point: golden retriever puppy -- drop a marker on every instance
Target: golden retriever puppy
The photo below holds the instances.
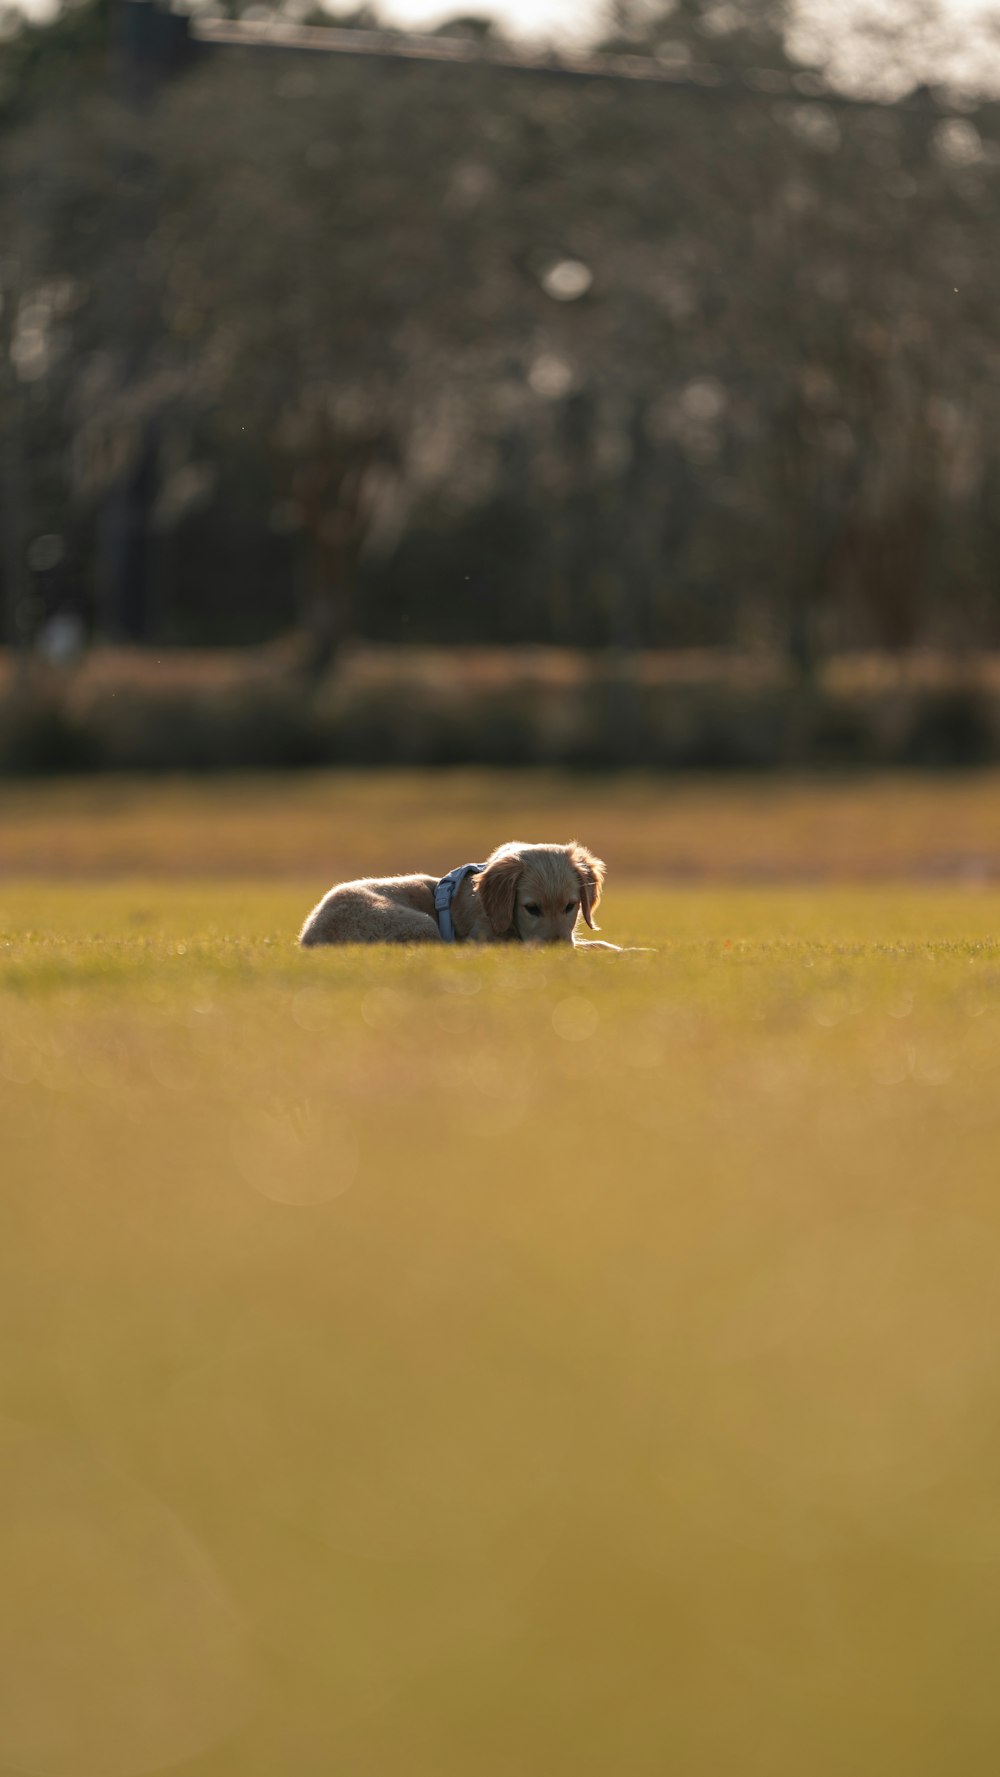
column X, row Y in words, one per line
column 534, row 894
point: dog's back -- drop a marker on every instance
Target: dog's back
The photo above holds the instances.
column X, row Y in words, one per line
column 375, row 910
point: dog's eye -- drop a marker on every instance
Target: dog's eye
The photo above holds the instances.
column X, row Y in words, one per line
column 569, row 906
column 532, row 909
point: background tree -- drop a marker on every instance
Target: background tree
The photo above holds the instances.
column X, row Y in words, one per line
column 405, row 351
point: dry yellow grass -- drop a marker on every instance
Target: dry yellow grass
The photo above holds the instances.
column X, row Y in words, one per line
column 321, row 826
column 452, row 1364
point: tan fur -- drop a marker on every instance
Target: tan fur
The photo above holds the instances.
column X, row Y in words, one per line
column 531, row 893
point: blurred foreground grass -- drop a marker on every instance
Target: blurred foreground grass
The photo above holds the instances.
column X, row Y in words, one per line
column 460, row 1364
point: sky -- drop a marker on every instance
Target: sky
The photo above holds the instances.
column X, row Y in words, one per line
column 545, row 20
column 943, row 42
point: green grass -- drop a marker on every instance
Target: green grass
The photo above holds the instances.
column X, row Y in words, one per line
column 469, row 1363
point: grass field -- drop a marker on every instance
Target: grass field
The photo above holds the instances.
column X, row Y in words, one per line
column 491, row 1364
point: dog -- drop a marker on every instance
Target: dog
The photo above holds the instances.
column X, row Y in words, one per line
column 532, row 894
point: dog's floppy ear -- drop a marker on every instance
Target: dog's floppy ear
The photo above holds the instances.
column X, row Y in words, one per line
column 590, row 872
column 497, row 888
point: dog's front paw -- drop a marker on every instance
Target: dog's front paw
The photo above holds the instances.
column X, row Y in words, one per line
column 620, row 949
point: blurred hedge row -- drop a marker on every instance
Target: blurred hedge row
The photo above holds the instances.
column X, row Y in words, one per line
column 602, row 716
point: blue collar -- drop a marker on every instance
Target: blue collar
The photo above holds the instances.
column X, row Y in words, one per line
column 445, row 893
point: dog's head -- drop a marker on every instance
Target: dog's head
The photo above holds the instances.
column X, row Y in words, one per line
column 537, row 892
